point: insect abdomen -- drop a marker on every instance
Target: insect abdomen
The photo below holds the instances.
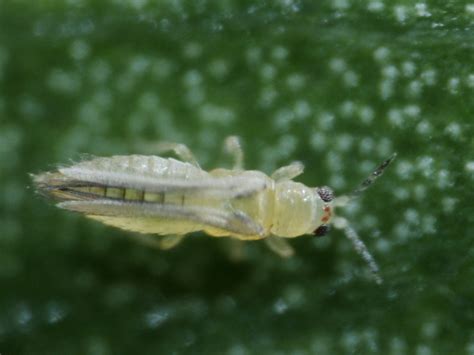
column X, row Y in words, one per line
column 163, row 196
column 83, row 180
column 86, row 191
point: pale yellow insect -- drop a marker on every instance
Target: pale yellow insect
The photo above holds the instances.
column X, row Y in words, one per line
column 155, row 195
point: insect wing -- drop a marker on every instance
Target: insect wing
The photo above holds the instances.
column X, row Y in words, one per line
column 236, row 222
column 218, row 187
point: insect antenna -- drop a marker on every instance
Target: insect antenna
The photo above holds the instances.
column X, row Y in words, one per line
column 372, row 177
column 359, row 246
column 345, row 199
column 351, row 234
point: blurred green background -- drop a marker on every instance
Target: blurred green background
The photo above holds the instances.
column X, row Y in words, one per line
column 339, row 85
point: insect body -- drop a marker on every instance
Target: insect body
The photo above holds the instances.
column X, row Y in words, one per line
column 155, row 195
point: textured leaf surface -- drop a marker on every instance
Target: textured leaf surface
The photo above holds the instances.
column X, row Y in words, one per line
column 339, row 85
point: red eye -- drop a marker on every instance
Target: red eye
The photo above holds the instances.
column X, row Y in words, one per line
column 322, row 230
column 325, row 193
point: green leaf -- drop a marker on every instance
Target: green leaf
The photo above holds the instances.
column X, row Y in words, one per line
column 338, row 85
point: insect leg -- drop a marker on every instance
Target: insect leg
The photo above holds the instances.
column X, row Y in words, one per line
column 181, row 150
column 233, row 147
column 279, row 246
column 170, row 241
column 236, row 250
column 147, row 240
column 158, row 242
column 288, row 172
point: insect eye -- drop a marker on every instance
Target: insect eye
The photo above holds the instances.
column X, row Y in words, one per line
column 322, row 230
column 325, row 193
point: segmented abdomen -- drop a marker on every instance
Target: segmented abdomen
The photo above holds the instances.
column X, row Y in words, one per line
column 109, row 178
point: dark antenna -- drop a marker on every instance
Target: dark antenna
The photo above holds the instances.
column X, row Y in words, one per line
column 372, row 177
column 351, row 234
